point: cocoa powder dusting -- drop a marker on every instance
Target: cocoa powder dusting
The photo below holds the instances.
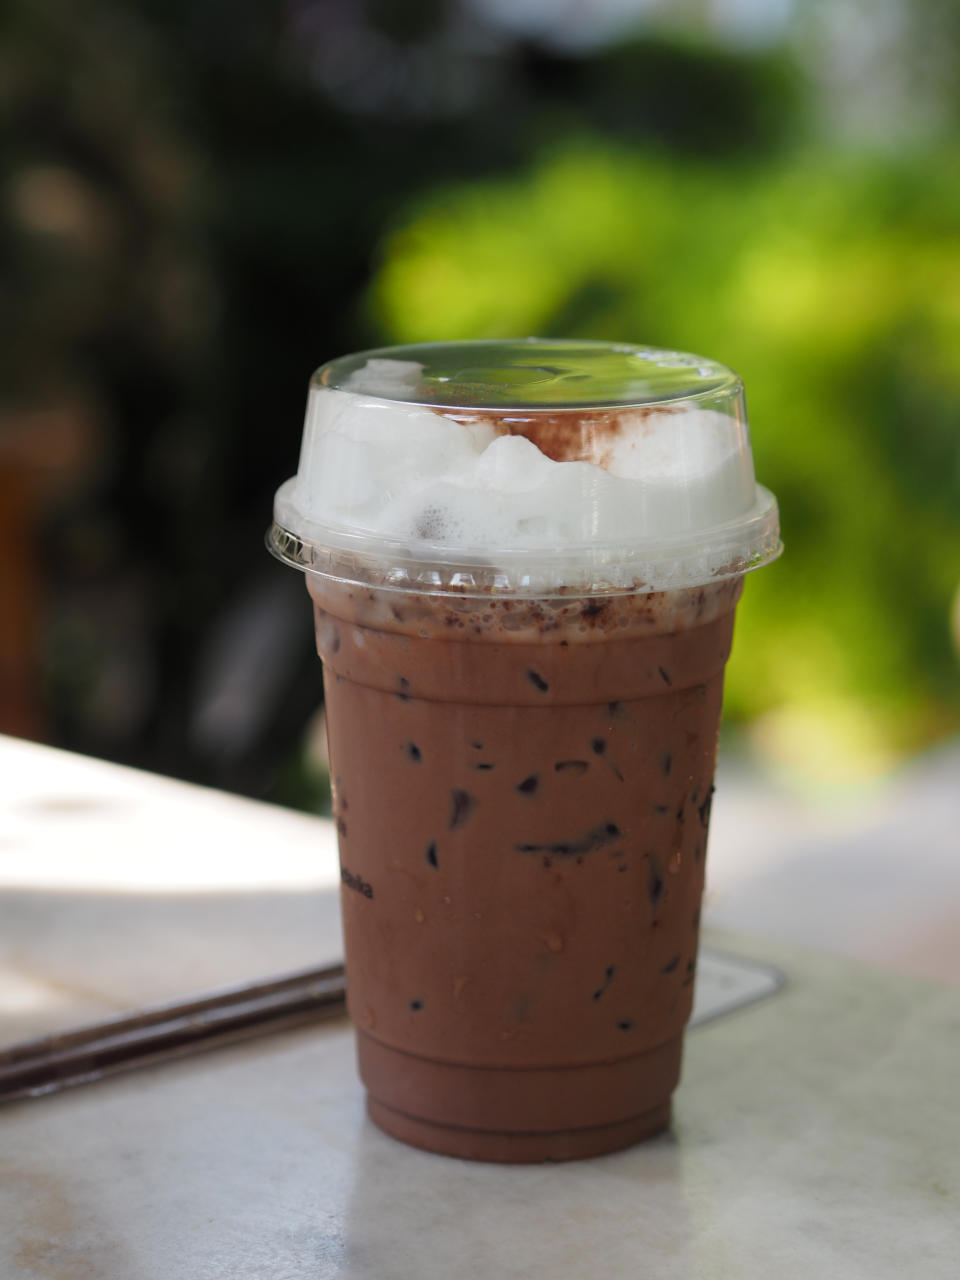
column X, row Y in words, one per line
column 567, row 435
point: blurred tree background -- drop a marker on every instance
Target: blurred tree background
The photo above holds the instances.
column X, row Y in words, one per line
column 202, row 201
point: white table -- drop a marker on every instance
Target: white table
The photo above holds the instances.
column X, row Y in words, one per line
column 817, row 1133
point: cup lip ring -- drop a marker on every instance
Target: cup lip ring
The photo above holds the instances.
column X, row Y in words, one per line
column 738, row 546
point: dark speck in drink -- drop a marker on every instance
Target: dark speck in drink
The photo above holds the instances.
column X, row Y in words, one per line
column 462, row 805
column 575, row 767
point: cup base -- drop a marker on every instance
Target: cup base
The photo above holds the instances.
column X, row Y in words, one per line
column 518, row 1148
column 519, row 1115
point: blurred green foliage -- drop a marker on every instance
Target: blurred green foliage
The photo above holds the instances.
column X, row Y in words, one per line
column 832, row 284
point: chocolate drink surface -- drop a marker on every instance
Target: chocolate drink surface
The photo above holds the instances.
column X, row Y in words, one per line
column 524, row 559
column 522, row 795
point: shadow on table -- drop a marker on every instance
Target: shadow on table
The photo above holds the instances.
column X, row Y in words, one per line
column 459, row 1218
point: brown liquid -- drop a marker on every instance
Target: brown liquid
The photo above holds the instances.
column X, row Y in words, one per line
column 522, row 791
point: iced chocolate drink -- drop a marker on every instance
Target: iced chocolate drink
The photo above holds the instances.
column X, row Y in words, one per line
column 524, row 560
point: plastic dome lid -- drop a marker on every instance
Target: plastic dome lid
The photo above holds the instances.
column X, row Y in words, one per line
column 532, row 466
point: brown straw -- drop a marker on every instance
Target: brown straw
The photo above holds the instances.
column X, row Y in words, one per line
column 38, row 1067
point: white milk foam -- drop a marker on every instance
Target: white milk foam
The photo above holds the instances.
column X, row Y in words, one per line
column 401, row 471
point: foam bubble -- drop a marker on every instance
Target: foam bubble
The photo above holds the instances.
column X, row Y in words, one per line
column 381, row 377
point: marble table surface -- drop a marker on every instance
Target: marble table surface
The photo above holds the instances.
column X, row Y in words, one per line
column 816, row 1133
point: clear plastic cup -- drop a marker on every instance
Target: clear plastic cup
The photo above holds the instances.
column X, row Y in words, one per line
column 524, row 559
